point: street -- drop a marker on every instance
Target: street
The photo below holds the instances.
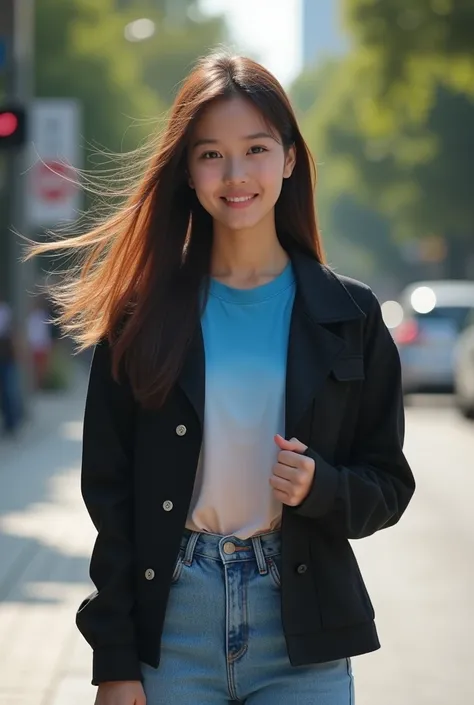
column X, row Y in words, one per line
column 420, row 574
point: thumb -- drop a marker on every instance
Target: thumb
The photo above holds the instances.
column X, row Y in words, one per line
column 293, row 444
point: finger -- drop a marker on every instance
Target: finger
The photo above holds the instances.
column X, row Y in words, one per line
column 293, row 444
column 285, row 498
column 290, row 458
column 297, row 461
column 281, row 484
column 281, row 497
column 286, row 472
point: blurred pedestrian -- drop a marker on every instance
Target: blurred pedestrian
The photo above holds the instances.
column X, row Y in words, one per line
column 10, row 397
column 40, row 340
column 244, row 418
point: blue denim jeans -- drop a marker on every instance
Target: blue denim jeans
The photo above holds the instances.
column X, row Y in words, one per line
column 223, row 640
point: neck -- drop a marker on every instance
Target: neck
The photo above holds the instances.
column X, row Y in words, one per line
column 247, row 258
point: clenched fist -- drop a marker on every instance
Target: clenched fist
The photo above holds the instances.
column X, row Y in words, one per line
column 293, row 472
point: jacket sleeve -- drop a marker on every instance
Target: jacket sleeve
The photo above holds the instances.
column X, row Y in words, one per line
column 105, row 617
column 373, row 490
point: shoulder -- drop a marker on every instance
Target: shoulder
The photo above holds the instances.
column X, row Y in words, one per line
column 360, row 292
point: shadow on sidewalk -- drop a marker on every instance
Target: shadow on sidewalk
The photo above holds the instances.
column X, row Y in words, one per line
column 46, row 535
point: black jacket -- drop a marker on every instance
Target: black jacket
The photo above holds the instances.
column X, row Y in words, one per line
column 343, row 400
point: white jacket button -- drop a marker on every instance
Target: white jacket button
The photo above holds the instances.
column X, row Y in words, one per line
column 149, row 574
column 167, row 505
column 181, row 429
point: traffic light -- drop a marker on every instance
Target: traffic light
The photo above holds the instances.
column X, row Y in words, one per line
column 12, row 126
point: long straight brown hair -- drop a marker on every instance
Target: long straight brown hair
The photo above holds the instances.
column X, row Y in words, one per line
column 142, row 269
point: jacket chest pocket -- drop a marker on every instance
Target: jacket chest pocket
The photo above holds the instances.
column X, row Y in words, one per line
column 335, row 409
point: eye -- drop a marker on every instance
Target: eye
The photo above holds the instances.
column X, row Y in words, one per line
column 210, row 155
column 259, row 150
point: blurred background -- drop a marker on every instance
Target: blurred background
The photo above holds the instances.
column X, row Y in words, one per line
column 384, row 92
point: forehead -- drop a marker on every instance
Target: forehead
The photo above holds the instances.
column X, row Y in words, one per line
column 230, row 117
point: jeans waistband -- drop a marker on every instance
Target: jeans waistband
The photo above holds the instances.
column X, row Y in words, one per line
column 228, row 549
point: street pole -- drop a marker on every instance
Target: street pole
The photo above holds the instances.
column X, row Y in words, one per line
column 19, row 89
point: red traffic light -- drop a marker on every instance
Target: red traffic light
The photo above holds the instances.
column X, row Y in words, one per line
column 8, row 124
column 12, row 126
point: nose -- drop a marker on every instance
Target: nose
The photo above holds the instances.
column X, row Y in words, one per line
column 235, row 171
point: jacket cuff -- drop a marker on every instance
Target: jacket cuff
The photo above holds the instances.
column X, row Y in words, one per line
column 320, row 499
column 115, row 664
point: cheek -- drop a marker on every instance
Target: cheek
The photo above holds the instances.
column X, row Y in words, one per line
column 206, row 179
column 270, row 174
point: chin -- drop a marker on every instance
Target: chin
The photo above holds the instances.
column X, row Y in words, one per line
column 240, row 221
column 240, row 226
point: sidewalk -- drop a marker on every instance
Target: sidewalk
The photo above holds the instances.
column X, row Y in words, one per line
column 45, row 544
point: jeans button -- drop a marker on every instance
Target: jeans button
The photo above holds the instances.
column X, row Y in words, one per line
column 229, row 548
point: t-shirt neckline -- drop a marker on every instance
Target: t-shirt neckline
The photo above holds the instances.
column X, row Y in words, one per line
column 256, row 294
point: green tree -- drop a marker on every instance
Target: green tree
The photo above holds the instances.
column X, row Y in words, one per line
column 431, row 39
column 183, row 33
column 123, row 86
column 81, row 53
column 396, row 127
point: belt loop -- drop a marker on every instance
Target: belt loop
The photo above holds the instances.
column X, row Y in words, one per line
column 259, row 555
column 190, row 546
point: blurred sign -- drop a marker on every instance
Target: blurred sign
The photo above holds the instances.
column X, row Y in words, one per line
column 54, row 193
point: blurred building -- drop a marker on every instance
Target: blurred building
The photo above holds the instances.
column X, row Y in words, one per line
column 322, row 33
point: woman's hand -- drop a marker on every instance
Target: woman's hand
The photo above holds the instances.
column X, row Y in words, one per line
column 120, row 693
column 293, row 473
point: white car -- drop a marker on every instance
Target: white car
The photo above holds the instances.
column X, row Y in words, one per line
column 433, row 315
column 464, row 370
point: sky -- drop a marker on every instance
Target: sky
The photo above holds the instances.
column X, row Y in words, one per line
column 271, row 27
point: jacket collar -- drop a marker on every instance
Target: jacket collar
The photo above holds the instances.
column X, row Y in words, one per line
column 323, row 295
column 321, row 298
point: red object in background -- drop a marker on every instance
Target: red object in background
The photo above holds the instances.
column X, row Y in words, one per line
column 407, row 333
column 8, row 124
column 54, row 181
column 12, row 126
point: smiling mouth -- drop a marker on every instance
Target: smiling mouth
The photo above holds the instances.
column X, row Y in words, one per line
column 240, row 201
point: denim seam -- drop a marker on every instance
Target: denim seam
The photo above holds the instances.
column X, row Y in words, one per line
column 351, row 679
column 273, row 570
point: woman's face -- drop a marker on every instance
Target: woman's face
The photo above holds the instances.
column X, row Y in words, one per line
column 237, row 164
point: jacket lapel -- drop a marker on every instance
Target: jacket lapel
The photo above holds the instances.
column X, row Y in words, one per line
column 192, row 378
column 312, row 350
column 320, row 299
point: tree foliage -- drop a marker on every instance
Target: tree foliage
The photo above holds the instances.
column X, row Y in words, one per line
column 429, row 37
column 122, row 86
column 394, row 126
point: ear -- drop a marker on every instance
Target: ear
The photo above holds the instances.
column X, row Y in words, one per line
column 290, row 161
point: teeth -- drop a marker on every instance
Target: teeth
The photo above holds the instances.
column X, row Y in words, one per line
column 239, row 200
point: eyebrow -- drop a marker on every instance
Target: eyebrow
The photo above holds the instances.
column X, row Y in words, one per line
column 255, row 136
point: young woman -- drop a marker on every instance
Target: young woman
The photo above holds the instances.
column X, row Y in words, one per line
column 244, row 418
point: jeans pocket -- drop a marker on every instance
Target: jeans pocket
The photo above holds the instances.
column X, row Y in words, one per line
column 274, row 567
column 178, row 568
